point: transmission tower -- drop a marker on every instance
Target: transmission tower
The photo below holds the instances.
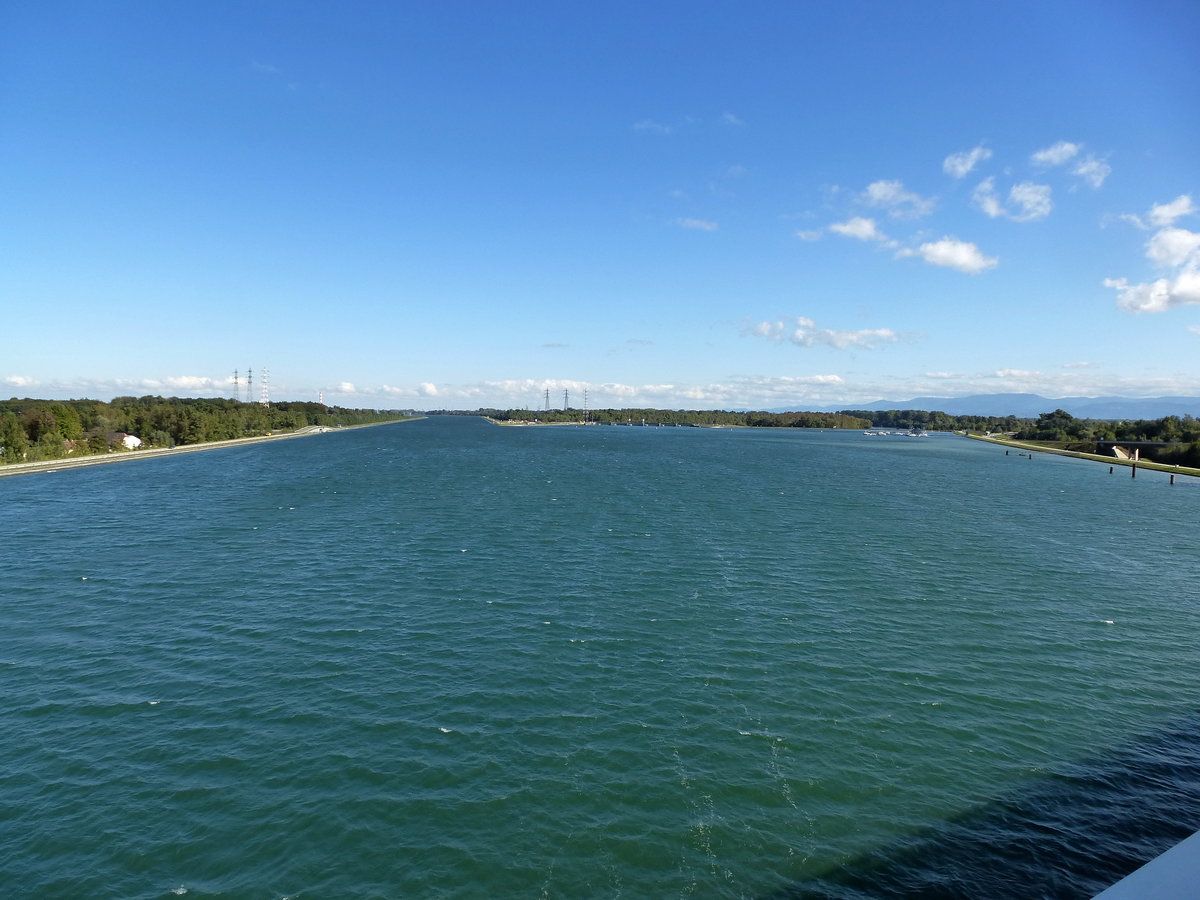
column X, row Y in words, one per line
column 585, row 390
column 547, row 398
column 566, row 399
column 249, row 385
column 237, row 388
column 265, row 399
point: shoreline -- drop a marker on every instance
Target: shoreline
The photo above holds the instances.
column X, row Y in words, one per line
column 47, row 466
column 1093, row 457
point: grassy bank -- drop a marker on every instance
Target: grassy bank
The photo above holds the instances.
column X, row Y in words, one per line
column 98, row 459
column 1058, row 451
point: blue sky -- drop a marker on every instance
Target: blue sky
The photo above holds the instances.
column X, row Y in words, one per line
column 672, row 204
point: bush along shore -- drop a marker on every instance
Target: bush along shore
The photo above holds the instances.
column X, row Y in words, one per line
column 39, row 431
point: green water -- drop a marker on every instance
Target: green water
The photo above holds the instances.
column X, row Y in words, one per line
column 450, row 659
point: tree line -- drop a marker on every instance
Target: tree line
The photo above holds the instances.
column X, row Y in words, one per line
column 34, row 430
column 694, row 417
column 1180, row 434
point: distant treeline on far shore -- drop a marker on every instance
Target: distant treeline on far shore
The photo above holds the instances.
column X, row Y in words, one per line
column 1178, row 436
column 848, row 418
column 35, row 430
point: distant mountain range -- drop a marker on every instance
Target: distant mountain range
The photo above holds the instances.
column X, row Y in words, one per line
column 1030, row 406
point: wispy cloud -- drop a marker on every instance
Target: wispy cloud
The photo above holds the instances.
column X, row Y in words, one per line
column 649, row 126
column 811, row 234
column 697, row 224
column 953, row 254
column 959, row 165
column 1056, row 154
column 1027, row 202
column 862, row 229
column 899, row 203
column 803, row 332
column 19, row 381
column 730, row 119
column 1092, row 170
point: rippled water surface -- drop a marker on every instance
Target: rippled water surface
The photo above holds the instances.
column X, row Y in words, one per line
column 449, row 659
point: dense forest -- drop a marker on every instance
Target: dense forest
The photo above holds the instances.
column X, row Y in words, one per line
column 32, row 430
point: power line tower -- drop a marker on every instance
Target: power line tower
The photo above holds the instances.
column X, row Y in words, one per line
column 547, row 399
column 566, row 399
column 585, row 390
column 265, row 399
column 249, row 385
column 237, row 388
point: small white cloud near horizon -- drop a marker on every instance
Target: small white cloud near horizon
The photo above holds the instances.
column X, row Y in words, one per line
column 953, row 254
column 697, row 224
column 19, row 380
column 803, row 332
column 346, row 387
column 899, row 203
column 958, row 165
column 1056, row 154
column 1027, row 202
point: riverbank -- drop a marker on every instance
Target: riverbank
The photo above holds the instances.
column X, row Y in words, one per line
column 1096, row 457
column 54, row 465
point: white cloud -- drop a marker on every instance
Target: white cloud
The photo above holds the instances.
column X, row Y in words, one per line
column 954, row 254
column 860, row 228
column 899, row 203
column 1157, row 296
column 1174, row 247
column 649, row 126
column 346, row 387
column 1176, row 250
column 1027, row 202
column 1093, row 171
column 1055, row 155
column 1162, row 215
column 730, row 119
column 1194, row 329
column 697, row 224
column 810, row 235
column 1015, row 373
column 803, row 332
column 19, row 380
column 427, row 389
column 1033, row 200
column 960, row 164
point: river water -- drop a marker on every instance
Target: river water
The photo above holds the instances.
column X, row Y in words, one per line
column 449, row 659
